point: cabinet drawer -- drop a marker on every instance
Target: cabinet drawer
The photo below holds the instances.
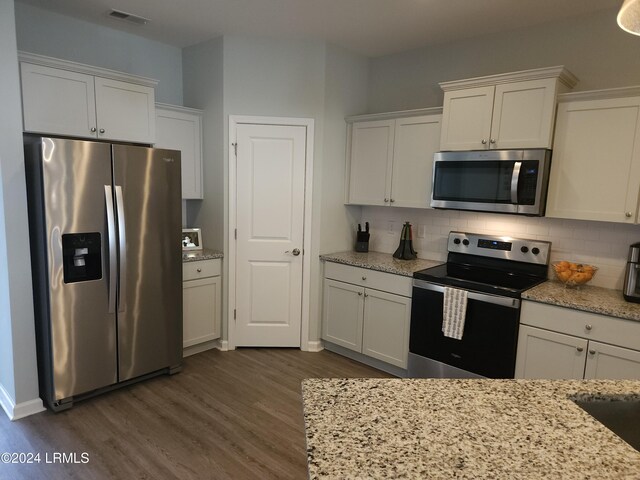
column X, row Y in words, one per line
column 201, row 269
column 387, row 282
column 587, row 325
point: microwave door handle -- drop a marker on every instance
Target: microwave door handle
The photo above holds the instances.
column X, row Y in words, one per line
column 515, row 178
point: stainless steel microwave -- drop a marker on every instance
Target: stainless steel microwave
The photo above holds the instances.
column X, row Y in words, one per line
column 503, row 181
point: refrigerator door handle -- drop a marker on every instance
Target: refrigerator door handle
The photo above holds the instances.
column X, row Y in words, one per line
column 122, row 233
column 111, row 234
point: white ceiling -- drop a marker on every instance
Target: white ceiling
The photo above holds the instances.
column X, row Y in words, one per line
column 370, row 27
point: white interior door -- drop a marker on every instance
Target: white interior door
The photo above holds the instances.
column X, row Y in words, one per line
column 270, row 221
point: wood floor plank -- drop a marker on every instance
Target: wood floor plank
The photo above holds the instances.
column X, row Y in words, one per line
column 226, row 416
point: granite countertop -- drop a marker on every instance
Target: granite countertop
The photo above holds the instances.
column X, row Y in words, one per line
column 588, row 298
column 464, row 429
column 383, row 262
column 197, row 255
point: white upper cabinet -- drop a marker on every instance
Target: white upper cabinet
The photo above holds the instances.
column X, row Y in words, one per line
column 71, row 99
column 512, row 110
column 180, row 128
column 390, row 159
column 595, row 171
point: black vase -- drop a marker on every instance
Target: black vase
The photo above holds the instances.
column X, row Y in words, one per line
column 405, row 250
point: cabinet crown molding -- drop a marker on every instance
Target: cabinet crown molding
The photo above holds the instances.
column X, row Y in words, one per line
column 86, row 69
column 600, row 94
column 391, row 115
column 179, row 109
column 560, row 72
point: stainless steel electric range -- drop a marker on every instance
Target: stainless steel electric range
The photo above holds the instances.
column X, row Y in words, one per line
column 494, row 270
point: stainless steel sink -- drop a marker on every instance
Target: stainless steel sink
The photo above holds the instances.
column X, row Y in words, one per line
column 621, row 417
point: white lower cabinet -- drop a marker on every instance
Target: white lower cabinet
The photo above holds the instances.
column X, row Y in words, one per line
column 202, row 300
column 574, row 348
column 364, row 319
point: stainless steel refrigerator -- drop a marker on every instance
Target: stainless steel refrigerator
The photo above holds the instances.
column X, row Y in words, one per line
column 105, row 225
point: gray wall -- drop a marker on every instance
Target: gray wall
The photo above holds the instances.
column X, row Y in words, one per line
column 593, row 47
column 46, row 33
column 18, row 374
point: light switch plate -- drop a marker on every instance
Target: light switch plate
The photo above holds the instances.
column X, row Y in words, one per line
column 391, row 227
column 422, row 231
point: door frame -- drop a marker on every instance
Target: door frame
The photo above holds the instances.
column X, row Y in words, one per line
column 308, row 123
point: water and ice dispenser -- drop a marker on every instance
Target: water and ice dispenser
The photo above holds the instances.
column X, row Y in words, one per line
column 82, row 257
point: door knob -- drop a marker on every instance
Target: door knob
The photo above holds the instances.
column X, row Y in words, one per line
column 628, row 214
column 295, row 252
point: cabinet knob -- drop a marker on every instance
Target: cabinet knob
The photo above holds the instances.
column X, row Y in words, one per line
column 628, row 214
column 102, row 130
column 588, row 327
column 493, row 140
column 392, row 200
column 199, row 270
column 592, row 352
column 484, row 142
column 364, row 278
column 579, row 349
column 366, row 294
column 93, row 129
column 386, row 200
column 360, row 293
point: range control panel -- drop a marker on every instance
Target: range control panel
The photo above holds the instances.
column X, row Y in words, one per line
column 505, row 247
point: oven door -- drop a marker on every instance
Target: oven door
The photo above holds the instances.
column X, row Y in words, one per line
column 506, row 181
column 488, row 345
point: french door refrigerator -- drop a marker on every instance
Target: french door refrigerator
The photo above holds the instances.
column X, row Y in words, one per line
column 105, row 225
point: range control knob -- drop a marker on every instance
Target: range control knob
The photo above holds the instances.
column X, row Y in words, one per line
column 456, row 241
column 465, row 242
column 535, row 250
column 524, row 249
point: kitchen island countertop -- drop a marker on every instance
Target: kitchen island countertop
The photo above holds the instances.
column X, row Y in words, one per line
column 383, row 262
column 464, row 429
column 588, row 298
column 198, row 255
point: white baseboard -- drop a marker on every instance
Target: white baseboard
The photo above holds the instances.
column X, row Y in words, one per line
column 316, row 346
column 201, row 347
column 224, row 345
column 21, row 410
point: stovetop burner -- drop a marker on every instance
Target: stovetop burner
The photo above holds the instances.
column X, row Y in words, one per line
column 490, row 264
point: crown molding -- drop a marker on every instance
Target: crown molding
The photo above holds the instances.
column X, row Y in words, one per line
column 600, row 94
column 179, row 109
column 560, row 72
column 391, row 115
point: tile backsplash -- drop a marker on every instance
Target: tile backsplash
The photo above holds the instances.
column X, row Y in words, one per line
column 602, row 244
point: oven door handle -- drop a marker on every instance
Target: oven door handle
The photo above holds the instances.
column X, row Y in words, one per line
column 480, row 297
column 515, row 178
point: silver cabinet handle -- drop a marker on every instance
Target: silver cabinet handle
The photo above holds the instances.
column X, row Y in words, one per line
column 592, row 352
column 628, row 214
column 113, row 256
column 588, row 327
column 102, row 130
column 579, row 349
column 366, row 294
column 295, row 252
column 199, row 270
column 392, row 200
column 386, row 200
column 122, row 232
column 360, row 293
column 493, row 140
column 93, row 129
column 364, row 278
column 484, row 142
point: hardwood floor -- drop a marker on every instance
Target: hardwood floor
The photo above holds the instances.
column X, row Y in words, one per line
column 227, row 415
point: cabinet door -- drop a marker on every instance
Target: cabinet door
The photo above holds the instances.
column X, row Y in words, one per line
column 466, row 119
column 386, row 327
column 609, row 362
column 57, row 101
column 523, row 114
column 201, row 310
column 342, row 319
column 370, row 166
column 125, row 111
column 545, row 354
column 183, row 131
column 416, row 140
column 595, row 172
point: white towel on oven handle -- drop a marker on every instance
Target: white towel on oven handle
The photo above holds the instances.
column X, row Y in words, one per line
column 454, row 311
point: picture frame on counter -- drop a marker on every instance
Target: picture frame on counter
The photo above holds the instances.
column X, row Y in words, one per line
column 191, row 239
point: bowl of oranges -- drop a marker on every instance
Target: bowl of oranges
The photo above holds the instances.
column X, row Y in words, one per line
column 574, row 274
